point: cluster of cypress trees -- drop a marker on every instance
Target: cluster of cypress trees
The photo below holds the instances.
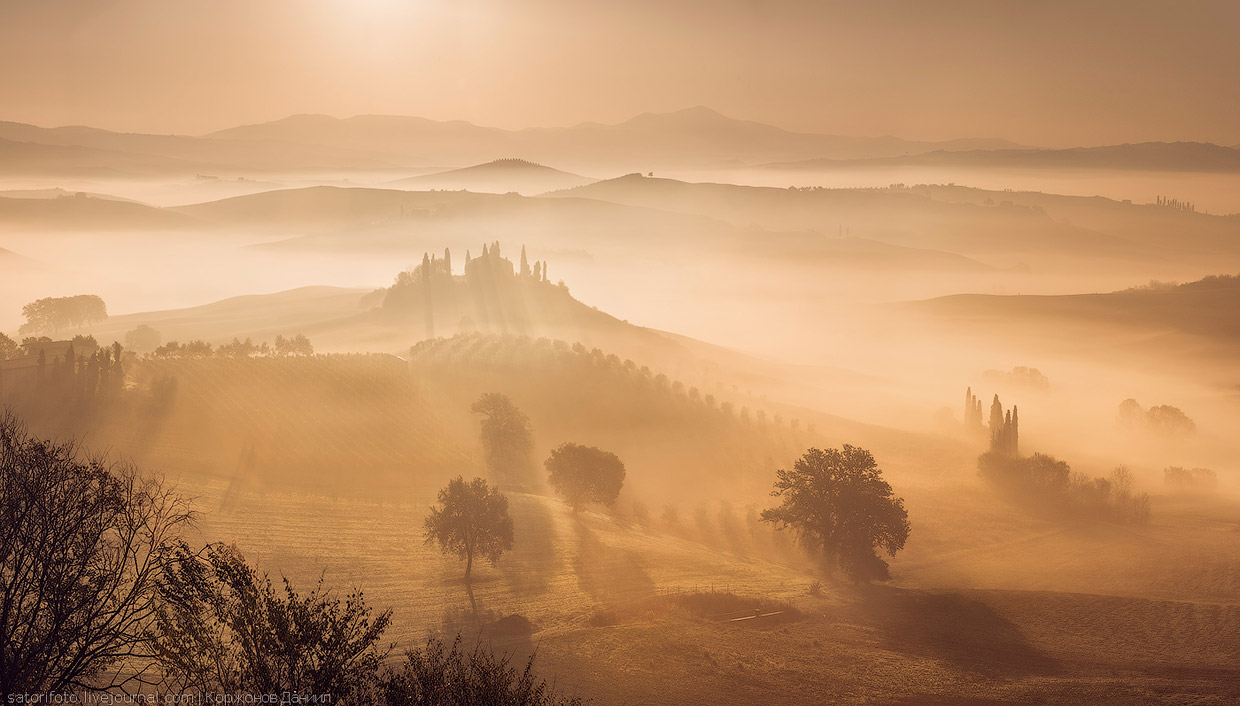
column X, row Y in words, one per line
column 81, row 376
column 1003, row 426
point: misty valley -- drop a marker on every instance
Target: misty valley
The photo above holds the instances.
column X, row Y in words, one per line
column 678, row 408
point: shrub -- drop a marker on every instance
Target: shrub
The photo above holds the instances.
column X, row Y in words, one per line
column 438, row 675
column 1048, row 486
column 1194, row 479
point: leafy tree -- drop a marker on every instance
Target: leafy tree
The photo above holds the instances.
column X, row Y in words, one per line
column 1190, row 478
column 142, row 339
column 1170, row 421
column 1162, row 419
column 1130, row 412
column 473, row 521
column 838, row 504
column 52, row 314
column 8, row 347
column 302, row 345
column 297, row 345
column 84, row 546
column 584, row 474
column 239, row 348
column 507, row 437
column 224, row 628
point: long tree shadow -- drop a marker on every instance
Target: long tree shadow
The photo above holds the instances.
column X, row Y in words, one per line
column 609, row 575
column 966, row 633
column 529, row 568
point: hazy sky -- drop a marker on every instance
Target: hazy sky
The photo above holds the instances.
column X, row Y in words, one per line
column 1044, row 72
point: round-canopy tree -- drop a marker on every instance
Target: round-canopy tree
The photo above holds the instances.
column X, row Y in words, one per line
column 473, row 521
column 584, row 474
column 838, row 504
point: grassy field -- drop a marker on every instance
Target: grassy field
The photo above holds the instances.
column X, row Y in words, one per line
column 325, row 468
column 1020, row 612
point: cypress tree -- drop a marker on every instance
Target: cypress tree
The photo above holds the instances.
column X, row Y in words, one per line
column 1015, row 431
column 1007, row 432
column 996, row 423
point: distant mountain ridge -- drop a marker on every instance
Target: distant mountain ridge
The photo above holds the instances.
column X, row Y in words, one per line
column 694, row 136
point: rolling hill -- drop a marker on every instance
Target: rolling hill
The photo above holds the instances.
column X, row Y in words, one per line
column 1190, row 331
column 498, row 177
column 908, row 217
column 1208, row 308
column 348, row 320
column 1148, row 156
column 352, row 221
column 1044, row 231
column 55, row 193
column 262, row 316
column 36, row 159
column 328, row 208
column 82, row 212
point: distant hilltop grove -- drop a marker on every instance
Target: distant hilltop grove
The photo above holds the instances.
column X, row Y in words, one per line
column 493, row 294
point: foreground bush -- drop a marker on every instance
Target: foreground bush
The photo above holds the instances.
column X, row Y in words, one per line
column 437, row 675
column 224, row 628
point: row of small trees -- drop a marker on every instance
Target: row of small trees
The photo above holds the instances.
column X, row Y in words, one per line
column 834, row 501
column 587, row 372
column 297, row 345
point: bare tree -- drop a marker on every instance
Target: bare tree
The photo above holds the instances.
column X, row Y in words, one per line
column 83, row 548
